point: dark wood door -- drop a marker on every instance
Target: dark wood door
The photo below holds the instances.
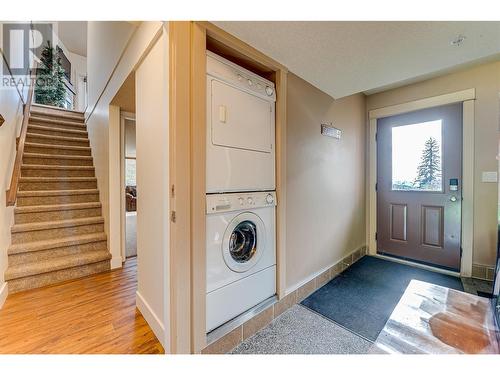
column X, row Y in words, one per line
column 419, row 185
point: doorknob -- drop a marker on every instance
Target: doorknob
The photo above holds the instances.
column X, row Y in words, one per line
column 453, row 198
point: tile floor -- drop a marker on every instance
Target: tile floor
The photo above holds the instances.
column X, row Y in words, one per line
column 301, row 331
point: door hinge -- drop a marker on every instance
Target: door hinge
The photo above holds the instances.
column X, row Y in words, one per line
column 376, row 236
column 461, row 251
column 172, row 191
column 172, row 216
column 376, row 186
column 376, row 137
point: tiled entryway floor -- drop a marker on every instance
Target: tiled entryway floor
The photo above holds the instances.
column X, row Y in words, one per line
column 301, row 331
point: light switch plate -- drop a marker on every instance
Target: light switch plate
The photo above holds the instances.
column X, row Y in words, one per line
column 489, row 177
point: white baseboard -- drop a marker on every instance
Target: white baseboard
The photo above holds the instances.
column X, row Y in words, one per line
column 116, row 262
column 4, row 291
column 154, row 323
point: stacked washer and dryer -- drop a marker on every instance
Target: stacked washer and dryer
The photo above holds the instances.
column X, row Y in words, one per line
column 241, row 197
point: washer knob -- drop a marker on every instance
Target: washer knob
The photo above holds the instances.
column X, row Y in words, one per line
column 250, row 200
column 269, row 91
column 269, row 198
column 240, row 200
column 250, row 83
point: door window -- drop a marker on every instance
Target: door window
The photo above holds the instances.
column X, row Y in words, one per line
column 417, row 157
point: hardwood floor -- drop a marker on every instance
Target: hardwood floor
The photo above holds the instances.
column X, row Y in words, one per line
column 96, row 314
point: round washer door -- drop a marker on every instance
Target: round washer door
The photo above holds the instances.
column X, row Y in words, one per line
column 244, row 242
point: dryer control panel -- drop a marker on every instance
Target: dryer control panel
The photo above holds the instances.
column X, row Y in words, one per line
column 229, row 72
column 239, row 201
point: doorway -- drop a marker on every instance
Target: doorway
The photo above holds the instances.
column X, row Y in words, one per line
column 129, row 184
column 419, row 186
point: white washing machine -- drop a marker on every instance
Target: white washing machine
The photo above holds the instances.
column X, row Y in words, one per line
column 241, row 254
column 240, row 129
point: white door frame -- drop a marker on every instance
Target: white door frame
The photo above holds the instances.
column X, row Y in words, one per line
column 467, row 97
column 123, row 116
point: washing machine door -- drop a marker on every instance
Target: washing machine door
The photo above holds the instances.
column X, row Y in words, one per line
column 244, row 242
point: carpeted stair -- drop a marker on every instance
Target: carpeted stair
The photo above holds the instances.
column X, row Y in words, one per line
column 58, row 232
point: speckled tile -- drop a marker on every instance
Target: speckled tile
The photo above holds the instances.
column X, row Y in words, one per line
column 301, row 331
column 472, row 286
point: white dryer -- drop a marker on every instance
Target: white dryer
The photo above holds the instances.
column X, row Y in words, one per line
column 241, row 254
column 240, row 129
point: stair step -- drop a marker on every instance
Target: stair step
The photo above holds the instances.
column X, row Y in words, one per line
column 41, row 148
column 43, row 110
column 22, row 233
column 32, row 214
column 34, row 170
column 55, row 243
column 51, row 249
column 49, row 130
column 50, row 278
column 57, row 122
column 49, row 197
column 57, row 183
column 51, row 265
column 56, row 140
column 52, row 159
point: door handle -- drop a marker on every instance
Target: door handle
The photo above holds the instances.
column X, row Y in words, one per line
column 453, row 198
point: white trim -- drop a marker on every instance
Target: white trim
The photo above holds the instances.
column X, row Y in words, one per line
column 293, row 288
column 116, row 262
column 465, row 96
column 154, row 322
column 467, row 188
column 4, row 292
column 418, row 265
column 433, row 101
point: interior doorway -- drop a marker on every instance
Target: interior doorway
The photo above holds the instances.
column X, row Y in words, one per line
column 419, row 186
column 129, row 184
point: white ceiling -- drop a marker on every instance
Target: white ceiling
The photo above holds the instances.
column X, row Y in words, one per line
column 73, row 34
column 343, row 58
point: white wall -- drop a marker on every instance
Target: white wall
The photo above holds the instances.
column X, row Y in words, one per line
column 78, row 69
column 105, row 46
column 152, row 141
column 12, row 111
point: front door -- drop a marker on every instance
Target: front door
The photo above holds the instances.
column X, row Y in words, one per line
column 419, row 185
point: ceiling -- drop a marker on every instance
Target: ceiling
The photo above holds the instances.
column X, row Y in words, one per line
column 344, row 58
column 73, row 34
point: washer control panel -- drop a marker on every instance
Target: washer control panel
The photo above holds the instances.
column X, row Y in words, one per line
column 239, row 201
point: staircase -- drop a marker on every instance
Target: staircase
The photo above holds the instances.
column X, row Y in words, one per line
column 58, row 232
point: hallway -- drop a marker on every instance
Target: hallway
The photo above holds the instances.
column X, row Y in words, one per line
column 96, row 314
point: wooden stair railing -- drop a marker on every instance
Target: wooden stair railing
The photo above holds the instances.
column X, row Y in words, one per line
column 11, row 195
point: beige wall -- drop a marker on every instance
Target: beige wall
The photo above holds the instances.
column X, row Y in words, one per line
column 152, row 146
column 104, row 56
column 325, row 180
column 486, row 80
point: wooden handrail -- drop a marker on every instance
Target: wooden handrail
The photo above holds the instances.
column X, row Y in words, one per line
column 11, row 195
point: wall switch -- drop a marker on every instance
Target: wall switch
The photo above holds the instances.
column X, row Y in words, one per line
column 489, row 177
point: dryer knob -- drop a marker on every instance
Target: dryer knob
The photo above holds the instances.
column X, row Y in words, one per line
column 269, row 91
column 250, row 83
column 250, row 200
column 270, row 199
column 240, row 200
